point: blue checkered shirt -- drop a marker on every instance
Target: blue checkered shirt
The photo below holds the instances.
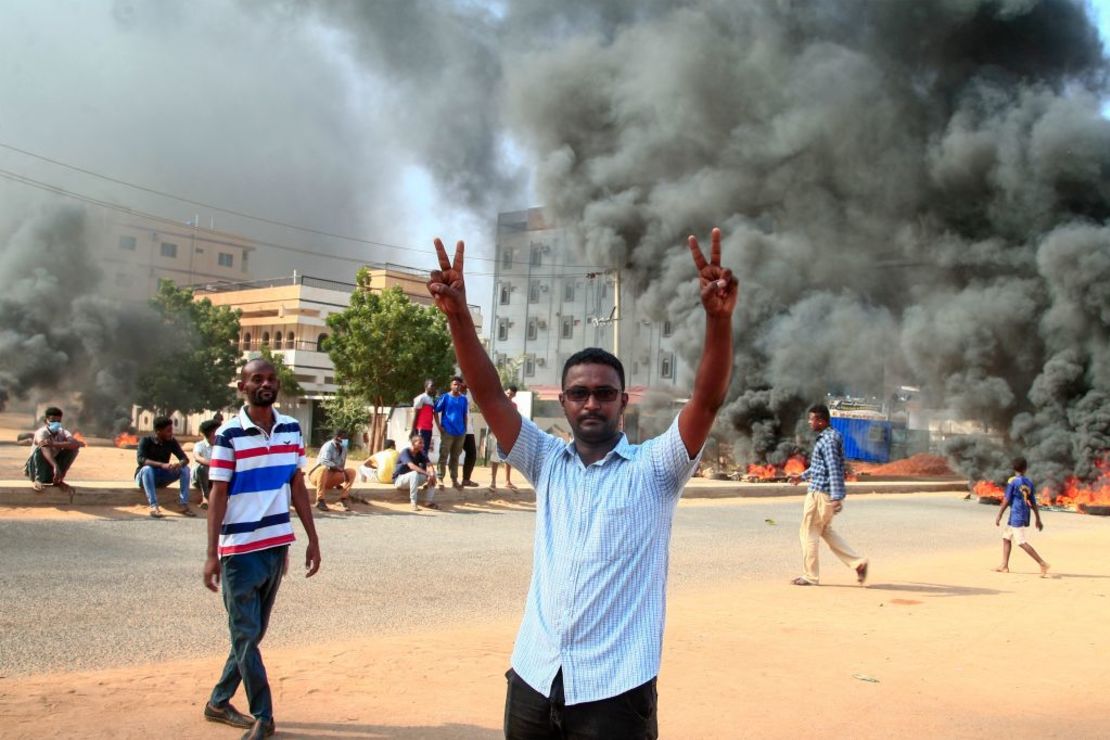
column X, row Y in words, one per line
column 826, row 465
column 599, row 567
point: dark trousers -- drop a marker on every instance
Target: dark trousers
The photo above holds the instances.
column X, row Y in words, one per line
column 426, row 435
column 39, row 469
column 250, row 585
column 202, row 480
column 529, row 715
column 470, row 449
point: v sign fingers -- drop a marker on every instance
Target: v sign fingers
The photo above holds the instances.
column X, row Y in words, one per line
column 695, row 252
column 715, row 247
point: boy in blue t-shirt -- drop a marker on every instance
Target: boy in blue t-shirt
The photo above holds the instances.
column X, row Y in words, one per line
column 1021, row 498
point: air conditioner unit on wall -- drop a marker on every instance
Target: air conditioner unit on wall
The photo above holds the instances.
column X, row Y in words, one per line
column 542, row 324
column 541, row 361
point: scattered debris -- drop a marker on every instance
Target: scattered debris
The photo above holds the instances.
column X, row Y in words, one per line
column 865, row 677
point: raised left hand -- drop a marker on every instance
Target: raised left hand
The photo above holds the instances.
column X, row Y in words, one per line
column 719, row 288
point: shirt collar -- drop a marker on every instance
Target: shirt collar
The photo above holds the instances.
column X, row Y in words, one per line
column 623, row 448
column 246, row 422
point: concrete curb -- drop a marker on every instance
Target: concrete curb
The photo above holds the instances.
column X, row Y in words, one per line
column 115, row 493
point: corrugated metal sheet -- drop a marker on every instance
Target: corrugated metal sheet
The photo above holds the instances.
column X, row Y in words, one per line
column 864, row 439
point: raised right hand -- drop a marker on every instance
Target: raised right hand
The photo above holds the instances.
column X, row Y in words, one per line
column 446, row 284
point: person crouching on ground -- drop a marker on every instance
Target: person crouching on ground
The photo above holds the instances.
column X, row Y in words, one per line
column 202, row 456
column 413, row 471
column 155, row 468
column 53, row 454
column 380, row 465
column 331, row 471
column 1021, row 499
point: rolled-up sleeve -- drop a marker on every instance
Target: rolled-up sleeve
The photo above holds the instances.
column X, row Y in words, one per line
column 531, row 448
column 671, row 464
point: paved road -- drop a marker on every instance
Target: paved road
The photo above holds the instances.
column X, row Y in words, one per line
column 87, row 594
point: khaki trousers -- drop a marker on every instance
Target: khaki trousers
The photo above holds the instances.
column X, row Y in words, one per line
column 817, row 517
column 323, row 479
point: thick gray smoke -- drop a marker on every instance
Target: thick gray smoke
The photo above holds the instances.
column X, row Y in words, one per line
column 57, row 334
column 909, row 193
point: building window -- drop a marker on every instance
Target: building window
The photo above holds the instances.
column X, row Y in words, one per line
column 226, row 260
column 667, row 329
column 537, row 255
column 534, row 291
column 666, row 365
column 277, row 340
column 530, row 365
column 533, row 328
column 289, row 340
column 502, row 330
column 322, row 343
column 603, row 289
column 265, row 339
column 169, row 249
column 127, row 242
column 507, row 257
column 243, row 261
column 504, row 294
column 246, row 341
column 568, row 291
column 567, row 330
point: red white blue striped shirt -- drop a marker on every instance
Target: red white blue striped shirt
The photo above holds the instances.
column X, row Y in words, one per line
column 258, row 468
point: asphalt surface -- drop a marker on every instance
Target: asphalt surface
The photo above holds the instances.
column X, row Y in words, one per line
column 88, row 594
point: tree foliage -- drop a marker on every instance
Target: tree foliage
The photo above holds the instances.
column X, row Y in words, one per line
column 384, row 345
column 345, row 411
column 196, row 354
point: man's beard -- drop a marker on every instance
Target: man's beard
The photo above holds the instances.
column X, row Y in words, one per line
column 597, row 433
column 262, row 398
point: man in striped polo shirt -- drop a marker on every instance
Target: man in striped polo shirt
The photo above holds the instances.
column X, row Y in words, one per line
column 588, row 650
column 256, row 466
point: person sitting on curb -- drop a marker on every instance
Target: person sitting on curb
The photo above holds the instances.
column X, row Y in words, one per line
column 155, row 468
column 380, row 465
column 413, row 470
column 331, row 471
column 53, row 454
column 202, row 456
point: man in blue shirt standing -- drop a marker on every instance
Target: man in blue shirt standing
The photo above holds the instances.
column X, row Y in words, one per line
column 1021, row 498
column 589, row 647
column 451, row 410
column 824, row 500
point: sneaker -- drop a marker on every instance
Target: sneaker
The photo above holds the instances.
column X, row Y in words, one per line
column 184, row 510
column 156, row 514
column 322, row 506
column 228, row 715
column 259, row 730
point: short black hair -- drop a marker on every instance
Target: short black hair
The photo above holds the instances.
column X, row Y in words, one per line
column 390, row 444
column 415, row 436
column 52, row 411
column 340, row 433
column 821, row 410
column 161, row 422
column 458, row 378
column 594, row 356
column 209, row 426
column 1019, row 464
column 512, row 388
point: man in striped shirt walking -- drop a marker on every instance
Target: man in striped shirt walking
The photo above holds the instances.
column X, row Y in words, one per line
column 824, row 500
column 589, row 647
column 256, row 465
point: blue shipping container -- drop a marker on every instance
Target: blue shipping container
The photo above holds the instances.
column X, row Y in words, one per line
column 864, row 439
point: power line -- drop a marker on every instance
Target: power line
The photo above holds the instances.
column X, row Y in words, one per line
column 230, row 211
column 31, row 182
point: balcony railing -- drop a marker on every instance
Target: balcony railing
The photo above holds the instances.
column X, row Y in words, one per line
column 256, row 345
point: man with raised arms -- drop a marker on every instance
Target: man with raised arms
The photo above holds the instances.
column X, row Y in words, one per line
column 588, row 650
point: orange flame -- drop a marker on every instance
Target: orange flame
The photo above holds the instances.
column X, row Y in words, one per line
column 1078, row 494
column 796, row 465
column 80, row 438
column 987, row 489
column 125, row 439
column 763, row 472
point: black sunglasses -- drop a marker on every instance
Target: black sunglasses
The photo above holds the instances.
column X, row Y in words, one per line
column 579, row 394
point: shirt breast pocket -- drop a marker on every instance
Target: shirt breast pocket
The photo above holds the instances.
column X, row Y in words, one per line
column 612, row 534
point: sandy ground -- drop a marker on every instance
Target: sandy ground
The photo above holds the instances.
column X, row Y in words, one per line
column 934, row 647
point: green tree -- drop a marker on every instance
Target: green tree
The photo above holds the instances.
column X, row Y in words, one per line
column 384, row 345
column 508, row 370
column 345, row 411
column 195, row 353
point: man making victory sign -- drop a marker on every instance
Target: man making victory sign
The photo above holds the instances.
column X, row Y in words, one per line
column 588, row 650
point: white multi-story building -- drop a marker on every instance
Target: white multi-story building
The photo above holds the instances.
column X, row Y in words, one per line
column 547, row 306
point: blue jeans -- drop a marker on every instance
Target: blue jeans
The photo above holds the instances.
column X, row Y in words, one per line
column 250, row 585
column 149, row 479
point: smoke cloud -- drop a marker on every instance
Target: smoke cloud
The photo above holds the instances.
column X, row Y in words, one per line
column 909, row 195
